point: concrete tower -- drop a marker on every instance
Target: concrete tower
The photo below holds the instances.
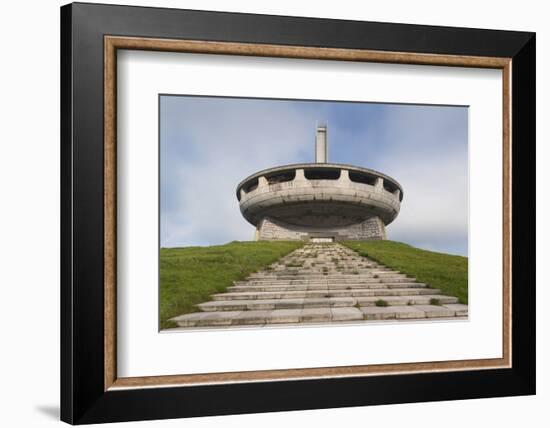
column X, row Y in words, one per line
column 319, row 201
column 321, row 144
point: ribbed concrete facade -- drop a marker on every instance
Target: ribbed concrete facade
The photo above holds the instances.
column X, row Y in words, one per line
column 319, row 201
column 373, row 228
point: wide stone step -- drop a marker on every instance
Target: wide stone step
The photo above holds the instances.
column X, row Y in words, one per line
column 333, row 275
column 353, row 292
column 403, row 278
column 318, row 315
column 270, row 304
column 326, row 286
column 319, row 271
column 325, row 280
column 331, row 270
column 306, row 282
column 425, row 299
column 414, row 312
column 297, row 303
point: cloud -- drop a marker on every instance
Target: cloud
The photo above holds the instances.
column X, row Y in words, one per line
column 208, row 145
column 207, row 148
column 428, row 155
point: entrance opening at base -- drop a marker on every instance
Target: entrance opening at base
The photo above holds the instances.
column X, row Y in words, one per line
column 322, row 239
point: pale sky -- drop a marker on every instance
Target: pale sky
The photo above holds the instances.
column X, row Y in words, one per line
column 209, row 144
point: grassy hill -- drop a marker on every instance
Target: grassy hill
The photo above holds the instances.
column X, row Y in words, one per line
column 447, row 272
column 190, row 275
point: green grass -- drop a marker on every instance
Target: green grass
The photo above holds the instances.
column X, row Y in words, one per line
column 190, row 275
column 447, row 272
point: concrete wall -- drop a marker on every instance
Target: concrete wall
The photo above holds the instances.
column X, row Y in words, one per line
column 370, row 229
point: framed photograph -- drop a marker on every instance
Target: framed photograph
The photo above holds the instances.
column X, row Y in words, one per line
column 266, row 213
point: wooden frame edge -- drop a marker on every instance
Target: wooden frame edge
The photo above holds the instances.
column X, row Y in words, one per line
column 301, row 52
column 507, row 212
column 110, row 224
column 298, row 374
column 112, row 43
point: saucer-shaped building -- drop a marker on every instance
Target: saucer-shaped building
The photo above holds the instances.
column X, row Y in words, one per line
column 321, row 201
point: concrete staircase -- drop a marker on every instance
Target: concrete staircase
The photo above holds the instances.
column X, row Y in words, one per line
column 323, row 283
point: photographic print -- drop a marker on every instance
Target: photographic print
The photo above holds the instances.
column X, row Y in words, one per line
column 280, row 213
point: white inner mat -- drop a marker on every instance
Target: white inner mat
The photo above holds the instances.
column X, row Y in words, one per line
column 143, row 351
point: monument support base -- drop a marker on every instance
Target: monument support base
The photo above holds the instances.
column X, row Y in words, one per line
column 370, row 229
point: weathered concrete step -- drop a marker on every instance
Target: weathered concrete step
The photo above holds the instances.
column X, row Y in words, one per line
column 414, row 311
column 294, row 294
column 307, row 282
column 325, row 279
column 318, row 315
column 403, row 278
column 270, row 304
column 312, row 276
column 326, row 286
column 321, row 272
column 332, row 270
column 297, row 303
column 424, row 299
column 308, row 262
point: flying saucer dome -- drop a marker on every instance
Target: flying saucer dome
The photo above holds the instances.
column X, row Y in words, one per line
column 317, row 199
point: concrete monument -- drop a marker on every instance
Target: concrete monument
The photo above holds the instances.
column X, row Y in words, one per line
column 321, row 201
